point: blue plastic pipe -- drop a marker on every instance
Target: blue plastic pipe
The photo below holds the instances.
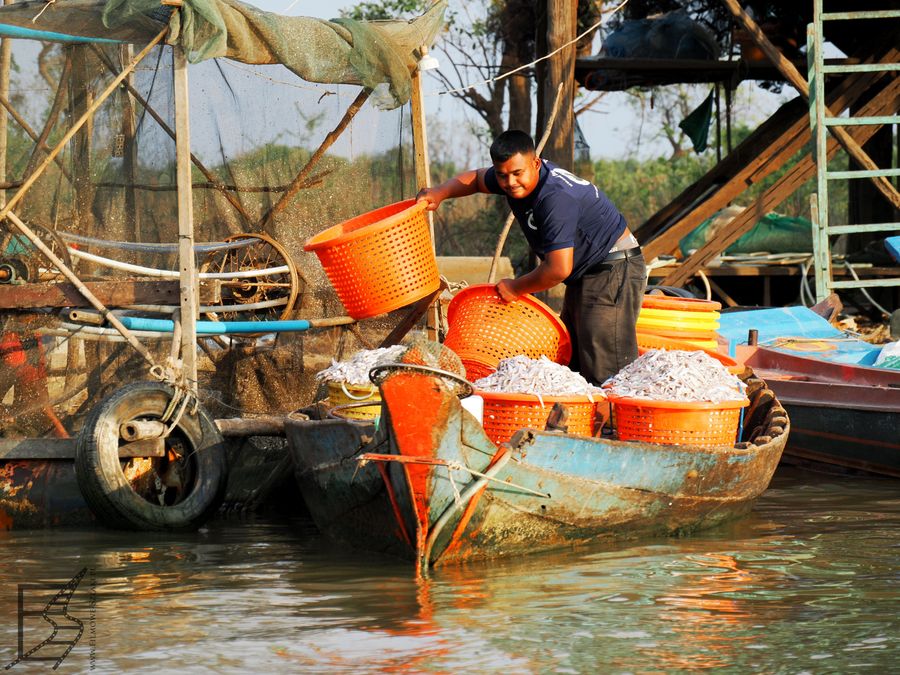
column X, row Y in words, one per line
column 218, row 327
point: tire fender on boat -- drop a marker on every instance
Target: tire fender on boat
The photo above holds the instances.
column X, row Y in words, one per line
column 179, row 491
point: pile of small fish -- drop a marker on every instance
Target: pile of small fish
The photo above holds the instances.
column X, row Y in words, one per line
column 541, row 377
column 676, row 375
column 356, row 369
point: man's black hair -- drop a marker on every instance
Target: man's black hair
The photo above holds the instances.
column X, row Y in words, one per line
column 511, row 142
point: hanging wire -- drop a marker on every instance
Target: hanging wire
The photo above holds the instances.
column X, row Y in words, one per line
column 615, row 9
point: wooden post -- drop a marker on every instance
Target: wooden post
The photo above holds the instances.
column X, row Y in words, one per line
column 81, row 97
column 129, row 156
column 5, row 59
column 423, row 180
column 420, row 143
column 189, row 286
column 562, row 22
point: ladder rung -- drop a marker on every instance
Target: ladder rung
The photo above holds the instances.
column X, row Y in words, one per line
column 860, row 121
column 868, row 14
column 865, row 283
column 862, row 173
column 867, row 227
column 862, row 68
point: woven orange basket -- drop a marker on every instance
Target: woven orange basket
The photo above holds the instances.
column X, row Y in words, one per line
column 379, row 261
column 703, row 424
column 483, row 330
column 647, row 341
column 505, row 414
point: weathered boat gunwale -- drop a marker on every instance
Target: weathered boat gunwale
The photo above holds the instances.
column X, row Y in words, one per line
column 845, row 416
column 338, row 495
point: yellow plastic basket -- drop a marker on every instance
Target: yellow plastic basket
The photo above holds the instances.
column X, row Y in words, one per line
column 342, row 393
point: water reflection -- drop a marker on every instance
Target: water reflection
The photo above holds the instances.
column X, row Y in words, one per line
column 809, row 581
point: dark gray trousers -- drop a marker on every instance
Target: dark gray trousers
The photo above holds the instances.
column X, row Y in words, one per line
column 600, row 311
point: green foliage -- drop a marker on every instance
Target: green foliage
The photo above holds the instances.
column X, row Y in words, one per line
column 381, row 10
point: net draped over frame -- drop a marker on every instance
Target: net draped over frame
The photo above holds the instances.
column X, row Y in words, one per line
column 265, row 92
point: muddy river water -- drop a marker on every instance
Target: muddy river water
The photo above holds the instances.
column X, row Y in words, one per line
column 809, row 582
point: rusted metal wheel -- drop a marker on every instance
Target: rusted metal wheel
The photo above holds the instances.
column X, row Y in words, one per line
column 29, row 261
column 254, row 297
column 178, row 490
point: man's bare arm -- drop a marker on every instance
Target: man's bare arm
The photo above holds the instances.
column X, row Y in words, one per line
column 554, row 269
column 463, row 185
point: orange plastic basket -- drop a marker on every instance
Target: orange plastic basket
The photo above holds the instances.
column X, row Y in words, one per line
column 483, row 330
column 647, row 341
column 505, row 414
column 379, row 261
column 676, row 422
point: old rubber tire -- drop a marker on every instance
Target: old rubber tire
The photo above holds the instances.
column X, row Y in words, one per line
column 195, row 456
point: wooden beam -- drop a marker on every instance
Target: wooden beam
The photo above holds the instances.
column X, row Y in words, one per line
column 5, row 62
column 111, row 293
column 793, row 76
column 795, row 177
column 416, row 312
column 187, row 264
column 761, row 154
column 268, row 425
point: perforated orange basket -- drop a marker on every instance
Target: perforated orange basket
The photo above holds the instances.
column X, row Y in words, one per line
column 483, row 330
column 379, row 261
column 647, row 341
column 505, row 414
column 676, row 422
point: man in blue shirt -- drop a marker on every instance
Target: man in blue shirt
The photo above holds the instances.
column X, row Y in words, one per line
column 581, row 239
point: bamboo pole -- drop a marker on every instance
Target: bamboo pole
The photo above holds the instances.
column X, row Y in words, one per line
column 801, row 85
column 51, row 156
column 5, row 61
column 423, row 180
column 501, row 240
column 420, row 143
column 129, row 149
column 72, row 277
column 300, row 178
column 6, row 210
column 189, row 286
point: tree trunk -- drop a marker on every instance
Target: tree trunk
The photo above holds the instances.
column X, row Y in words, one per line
column 519, row 94
column 562, row 19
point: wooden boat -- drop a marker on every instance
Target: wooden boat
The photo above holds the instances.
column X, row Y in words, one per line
column 843, row 415
column 844, row 412
column 428, row 484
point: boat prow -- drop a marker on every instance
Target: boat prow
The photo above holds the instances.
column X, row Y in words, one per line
column 429, row 485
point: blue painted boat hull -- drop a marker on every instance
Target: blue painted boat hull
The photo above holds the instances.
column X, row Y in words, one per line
column 462, row 498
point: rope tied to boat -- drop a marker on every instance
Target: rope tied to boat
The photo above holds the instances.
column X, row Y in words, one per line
column 451, row 465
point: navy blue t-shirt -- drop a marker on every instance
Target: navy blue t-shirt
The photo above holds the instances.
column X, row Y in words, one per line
column 565, row 211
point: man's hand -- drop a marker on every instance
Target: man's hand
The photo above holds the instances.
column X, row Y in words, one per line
column 506, row 290
column 431, row 196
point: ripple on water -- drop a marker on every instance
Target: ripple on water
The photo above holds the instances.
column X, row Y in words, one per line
column 807, row 582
